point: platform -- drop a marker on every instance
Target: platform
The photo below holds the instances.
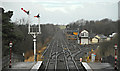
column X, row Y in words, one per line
column 21, row 66
column 97, row 66
column 36, row 66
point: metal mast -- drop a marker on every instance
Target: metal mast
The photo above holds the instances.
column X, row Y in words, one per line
column 32, row 32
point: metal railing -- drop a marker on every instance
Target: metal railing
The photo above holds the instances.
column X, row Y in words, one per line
column 14, row 58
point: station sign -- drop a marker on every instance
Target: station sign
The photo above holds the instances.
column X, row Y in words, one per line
column 75, row 33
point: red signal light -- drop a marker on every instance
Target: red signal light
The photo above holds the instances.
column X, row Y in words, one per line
column 24, row 10
column 21, row 8
column 37, row 16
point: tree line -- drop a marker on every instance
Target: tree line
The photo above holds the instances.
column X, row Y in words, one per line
column 18, row 34
column 105, row 26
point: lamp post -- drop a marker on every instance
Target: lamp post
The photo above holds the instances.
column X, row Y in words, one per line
column 10, row 45
column 115, row 57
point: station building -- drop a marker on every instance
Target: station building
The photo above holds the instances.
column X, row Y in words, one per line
column 84, row 37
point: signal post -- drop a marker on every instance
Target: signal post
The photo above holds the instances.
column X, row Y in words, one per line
column 33, row 33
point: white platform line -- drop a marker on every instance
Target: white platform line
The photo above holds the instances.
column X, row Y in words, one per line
column 36, row 66
column 87, row 67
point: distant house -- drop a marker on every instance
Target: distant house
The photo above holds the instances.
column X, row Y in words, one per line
column 111, row 36
column 99, row 38
column 84, row 37
column 95, row 40
column 91, row 36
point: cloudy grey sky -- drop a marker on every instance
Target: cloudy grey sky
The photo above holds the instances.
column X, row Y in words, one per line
column 63, row 11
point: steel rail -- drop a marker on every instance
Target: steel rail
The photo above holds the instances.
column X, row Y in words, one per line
column 65, row 58
column 46, row 67
column 72, row 57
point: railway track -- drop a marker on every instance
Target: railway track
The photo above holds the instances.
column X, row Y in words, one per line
column 76, row 52
column 71, row 60
column 59, row 55
column 50, row 61
column 61, row 61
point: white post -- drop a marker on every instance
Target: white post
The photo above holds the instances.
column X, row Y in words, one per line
column 23, row 57
column 34, row 40
column 80, row 59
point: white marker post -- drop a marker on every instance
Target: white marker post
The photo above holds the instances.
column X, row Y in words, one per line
column 23, row 57
column 80, row 59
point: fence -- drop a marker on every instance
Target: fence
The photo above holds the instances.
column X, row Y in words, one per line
column 14, row 58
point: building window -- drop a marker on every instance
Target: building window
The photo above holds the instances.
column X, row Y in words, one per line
column 82, row 34
column 86, row 34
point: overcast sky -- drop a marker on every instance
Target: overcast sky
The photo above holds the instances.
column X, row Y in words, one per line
column 63, row 11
